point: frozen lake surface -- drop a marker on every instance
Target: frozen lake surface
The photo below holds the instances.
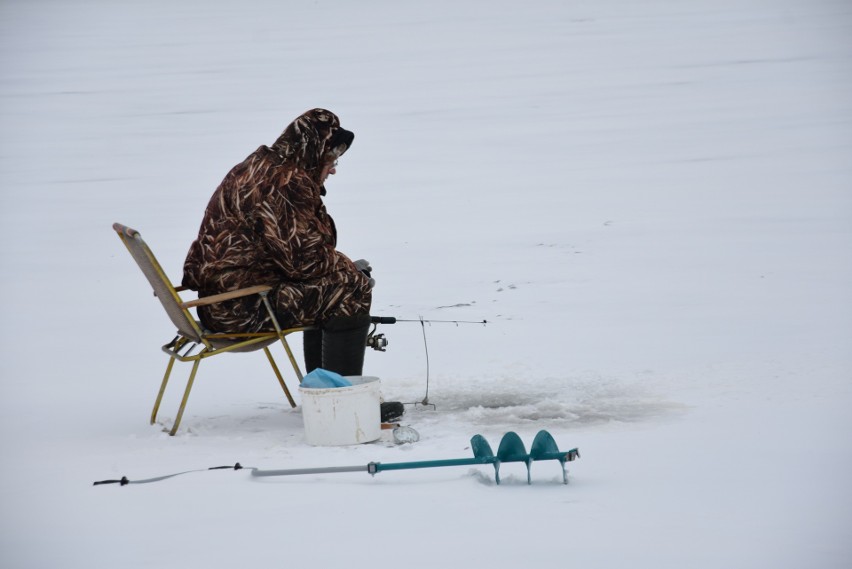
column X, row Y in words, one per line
column 651, row 204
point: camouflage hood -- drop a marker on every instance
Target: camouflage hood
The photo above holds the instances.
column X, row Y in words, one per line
column 313, row 139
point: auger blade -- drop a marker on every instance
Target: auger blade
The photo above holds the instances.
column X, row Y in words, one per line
column 544, row 448
column 481, row 448
column 512, row 449
column 543, row 445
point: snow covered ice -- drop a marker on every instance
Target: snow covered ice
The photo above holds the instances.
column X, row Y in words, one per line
column 650, row 202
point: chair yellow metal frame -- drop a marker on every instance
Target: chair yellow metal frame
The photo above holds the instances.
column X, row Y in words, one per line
column 192, row 343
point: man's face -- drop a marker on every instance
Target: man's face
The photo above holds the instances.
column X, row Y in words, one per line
column 329, row 169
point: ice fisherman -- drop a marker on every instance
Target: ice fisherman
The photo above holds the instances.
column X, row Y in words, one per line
column 266, row 224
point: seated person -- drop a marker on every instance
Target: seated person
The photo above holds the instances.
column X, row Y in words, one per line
column 266, row 224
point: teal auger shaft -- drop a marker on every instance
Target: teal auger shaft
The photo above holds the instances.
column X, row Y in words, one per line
column 376, row 467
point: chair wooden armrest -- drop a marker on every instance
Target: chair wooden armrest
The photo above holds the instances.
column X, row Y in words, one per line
column 179, row 288
column 213, row 299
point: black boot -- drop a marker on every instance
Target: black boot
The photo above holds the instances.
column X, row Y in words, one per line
column 391, row 411
column 312, row 349
column 344, row 340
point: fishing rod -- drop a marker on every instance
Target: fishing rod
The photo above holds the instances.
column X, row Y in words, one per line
column 393, row 320
column 380, row 343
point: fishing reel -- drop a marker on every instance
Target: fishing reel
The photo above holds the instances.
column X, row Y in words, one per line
column 377, row 341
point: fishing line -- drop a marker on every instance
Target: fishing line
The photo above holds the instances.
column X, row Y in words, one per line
column 426, row 348
column 379, row 342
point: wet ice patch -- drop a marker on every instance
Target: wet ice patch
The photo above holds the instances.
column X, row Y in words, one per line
column 563, row 402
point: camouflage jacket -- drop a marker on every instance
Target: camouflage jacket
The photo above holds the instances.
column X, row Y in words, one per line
column 266, row 224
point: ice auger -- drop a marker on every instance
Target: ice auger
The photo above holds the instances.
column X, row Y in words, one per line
column 511, row 449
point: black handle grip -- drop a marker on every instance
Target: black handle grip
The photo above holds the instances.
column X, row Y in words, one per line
column 382, row 319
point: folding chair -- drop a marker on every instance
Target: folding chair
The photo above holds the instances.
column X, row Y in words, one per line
column 192, row 343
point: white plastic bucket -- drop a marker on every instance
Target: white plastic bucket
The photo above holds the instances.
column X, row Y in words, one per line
column 342, row 415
